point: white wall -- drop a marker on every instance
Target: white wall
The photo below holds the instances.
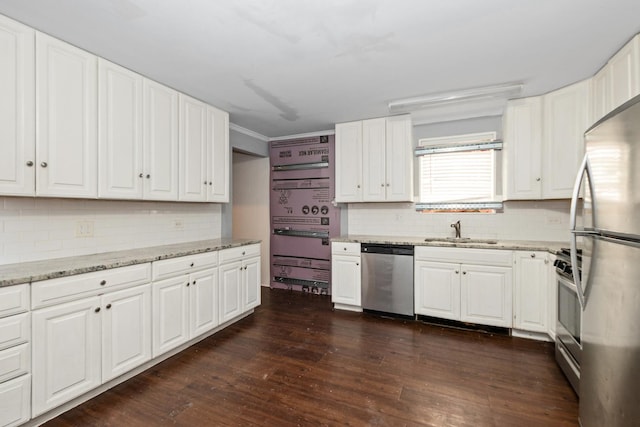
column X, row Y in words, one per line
column 41, row 228
column 251, row 218
column 521, row 220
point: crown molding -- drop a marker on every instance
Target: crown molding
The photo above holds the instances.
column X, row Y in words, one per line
column 304, row 135
column 234, row 127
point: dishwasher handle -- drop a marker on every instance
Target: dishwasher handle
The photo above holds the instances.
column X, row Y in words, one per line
column 381, row 248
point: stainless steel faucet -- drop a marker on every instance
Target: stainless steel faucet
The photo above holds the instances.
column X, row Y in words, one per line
column 457, row 226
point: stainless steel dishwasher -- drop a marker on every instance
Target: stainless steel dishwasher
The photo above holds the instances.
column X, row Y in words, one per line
column 387, row 278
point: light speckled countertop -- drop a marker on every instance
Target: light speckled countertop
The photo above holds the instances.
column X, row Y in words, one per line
column 512, row 245
column 26, row 272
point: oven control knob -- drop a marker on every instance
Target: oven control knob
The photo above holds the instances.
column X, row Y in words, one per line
column 556, row 262
column 567, row 269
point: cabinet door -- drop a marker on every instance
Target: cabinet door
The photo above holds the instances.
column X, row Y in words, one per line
column 66, row 105
column 193, row 150
column 552, row 298
column 486, row 295
column 203, row 302
column 15, row 401
column 600, row 95
column 373, row 160
column 17, row 109
column 349, row 162
column 160, row 140
column 251, row 272
column 346, row 280
column 624, row 71
column 218, row 158
column 399, row 160
column 437, row 289
column 126, row 330
column 523, row 149
column 565, row 121
column 170, row 314
column 66, row 352
column 530, row 311
column 120, row 174
column 230, row 297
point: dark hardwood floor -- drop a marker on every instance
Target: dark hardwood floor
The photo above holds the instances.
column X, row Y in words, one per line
column 297, row 362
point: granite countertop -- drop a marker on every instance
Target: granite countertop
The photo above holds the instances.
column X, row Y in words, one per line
column 27, row 272
column 513, row 245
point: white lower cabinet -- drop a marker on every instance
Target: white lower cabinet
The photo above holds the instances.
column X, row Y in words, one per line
column 15, row 401
column 346, row 277
column 471, row 291
column 66, row 352
column 530, row 301
column 485, row 295
column 184, row 306
column 239, row 281
column 81, row 344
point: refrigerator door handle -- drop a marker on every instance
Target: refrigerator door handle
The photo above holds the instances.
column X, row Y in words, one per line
column 584, row 170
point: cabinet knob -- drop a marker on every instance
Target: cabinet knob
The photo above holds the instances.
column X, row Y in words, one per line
column 191, row 265
column 141, row 175
column 457, row 272
column 464, row 272
column 538, row 179
column 148, row 176
column 188, row 284
column 103, row 282
column 43, row 164
column 194, row 282
column 382, row 185
column 243, row 252
column 97, row 310
column 358, row 185
column 205, row 183
column 240, row 269
column 357, row 263
column 533, row 255
column 108, row 306
column 29, row 163
column 210, row 183
column 245, row 267
column 388, row 185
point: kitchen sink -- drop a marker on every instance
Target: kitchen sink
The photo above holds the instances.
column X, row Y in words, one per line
column 460, row 240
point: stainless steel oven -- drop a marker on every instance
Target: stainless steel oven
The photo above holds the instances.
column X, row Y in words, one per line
column 569, row 322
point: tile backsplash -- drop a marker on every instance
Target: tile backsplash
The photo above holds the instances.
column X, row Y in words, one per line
column 41, row 228
column 545, row 220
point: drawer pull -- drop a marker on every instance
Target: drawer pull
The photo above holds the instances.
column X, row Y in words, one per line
column 103, row 282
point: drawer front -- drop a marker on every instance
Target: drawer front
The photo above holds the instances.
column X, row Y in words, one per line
column 172, row 267
column 54, row 291
column 14, row 299
column 496, row 257
column 241, row 252
column 14, row 361
column 14, row 330
column 345, row 248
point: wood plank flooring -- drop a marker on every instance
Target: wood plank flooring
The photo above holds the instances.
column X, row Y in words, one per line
column 295, row 362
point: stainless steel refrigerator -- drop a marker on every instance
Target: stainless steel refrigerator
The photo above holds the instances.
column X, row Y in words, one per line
column 605, row 223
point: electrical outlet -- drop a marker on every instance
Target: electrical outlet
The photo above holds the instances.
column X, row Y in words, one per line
column 178, row 224
column 84, row 229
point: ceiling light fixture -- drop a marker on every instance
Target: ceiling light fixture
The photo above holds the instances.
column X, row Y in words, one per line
column 502, row 92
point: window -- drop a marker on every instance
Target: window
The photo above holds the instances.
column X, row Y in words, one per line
column 459, row 173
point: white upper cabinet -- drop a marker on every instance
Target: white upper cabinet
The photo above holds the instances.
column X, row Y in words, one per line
column 523, row 149
column 600, row 95
column 566, row 118
column 160, row 141
column 374, row 141
column 138, row 136
column 399, row 159
column 544, row 143
column 349, row 162
column 193, row 149
column 119, row 132
column 374, row 160
column 66, row 105
column 624, row 73
column 17, row 108
column 218, row 155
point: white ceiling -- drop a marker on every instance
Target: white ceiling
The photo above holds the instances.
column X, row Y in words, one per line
column 283, row 67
